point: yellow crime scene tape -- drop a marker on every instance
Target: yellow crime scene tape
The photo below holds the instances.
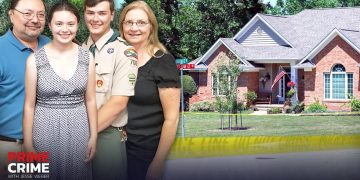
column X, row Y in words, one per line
column 198, row 147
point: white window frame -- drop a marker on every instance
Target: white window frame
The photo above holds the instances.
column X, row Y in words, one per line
column 331, row 85
column 217, row 93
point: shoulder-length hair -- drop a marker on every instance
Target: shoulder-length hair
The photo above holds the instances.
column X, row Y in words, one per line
column 153, row 40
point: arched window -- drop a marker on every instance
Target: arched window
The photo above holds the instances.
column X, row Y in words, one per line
column 338, row 83
column 338, row 68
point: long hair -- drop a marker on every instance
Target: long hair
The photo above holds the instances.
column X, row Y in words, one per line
column 153, row 40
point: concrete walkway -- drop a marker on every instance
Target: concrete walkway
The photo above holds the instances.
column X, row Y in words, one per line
column 259, row 113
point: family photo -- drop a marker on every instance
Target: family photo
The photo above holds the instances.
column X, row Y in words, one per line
column 179, row 89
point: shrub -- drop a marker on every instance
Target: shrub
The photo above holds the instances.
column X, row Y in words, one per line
column 205, row 106
column 298, row 107
column 316, row 107
column 250, row 97
column 355, row 104
column 189, row 85
column 275, row 110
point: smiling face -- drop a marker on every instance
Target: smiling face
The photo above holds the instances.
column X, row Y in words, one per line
column 63, row 25
column 136, row 27
column 98, row 19
column 25, row 28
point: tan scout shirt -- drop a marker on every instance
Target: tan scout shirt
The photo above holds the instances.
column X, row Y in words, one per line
column 116, row 71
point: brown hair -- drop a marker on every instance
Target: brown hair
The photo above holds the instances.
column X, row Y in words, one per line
column 64, row 6
column 153, row 40
column 92, row 3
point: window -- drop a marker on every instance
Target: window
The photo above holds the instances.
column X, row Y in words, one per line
column 220, row 84
column 338, row 84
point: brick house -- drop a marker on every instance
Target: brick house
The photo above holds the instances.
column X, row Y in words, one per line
column 319, row 49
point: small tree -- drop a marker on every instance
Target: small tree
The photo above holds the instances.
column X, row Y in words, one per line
column 227, row 71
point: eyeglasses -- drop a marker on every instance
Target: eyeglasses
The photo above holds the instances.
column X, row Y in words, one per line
column 30, row 15
column 138, row 23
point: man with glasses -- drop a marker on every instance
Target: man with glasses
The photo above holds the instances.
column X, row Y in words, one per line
column 22, row 39
column 116, row 72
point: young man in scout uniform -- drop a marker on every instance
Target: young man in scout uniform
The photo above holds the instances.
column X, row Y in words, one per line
column 22, row 39
column 116, row 73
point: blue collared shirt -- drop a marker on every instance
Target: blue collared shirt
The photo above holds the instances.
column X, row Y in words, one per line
column 13, row 56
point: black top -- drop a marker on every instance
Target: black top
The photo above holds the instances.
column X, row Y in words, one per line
column 145, row 111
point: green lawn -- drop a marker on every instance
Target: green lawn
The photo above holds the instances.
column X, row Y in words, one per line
column 208, row 125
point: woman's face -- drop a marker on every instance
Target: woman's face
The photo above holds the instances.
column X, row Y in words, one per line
column 63, row 26
column 136, row 27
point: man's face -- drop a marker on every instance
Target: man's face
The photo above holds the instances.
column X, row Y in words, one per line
column 28, row 19
column 98, row 19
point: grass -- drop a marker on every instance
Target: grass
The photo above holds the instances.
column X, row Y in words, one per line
column 266, row 134
column 208, row 125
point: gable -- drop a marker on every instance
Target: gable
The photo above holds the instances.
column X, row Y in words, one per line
column 328, row 39
column 259, row 34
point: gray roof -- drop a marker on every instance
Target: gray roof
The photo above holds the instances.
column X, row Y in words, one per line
column 304, row 31
column 260, row 52
column 308, row 28
column 352, row 35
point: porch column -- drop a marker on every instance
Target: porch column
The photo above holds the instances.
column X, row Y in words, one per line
column 294, row 78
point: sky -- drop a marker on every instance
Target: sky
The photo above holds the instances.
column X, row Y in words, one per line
column 272, row 2
column 118, row 3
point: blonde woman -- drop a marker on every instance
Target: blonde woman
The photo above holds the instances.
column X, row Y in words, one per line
column 154, row 110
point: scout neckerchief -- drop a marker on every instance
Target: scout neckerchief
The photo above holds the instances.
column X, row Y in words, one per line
column 111, row 39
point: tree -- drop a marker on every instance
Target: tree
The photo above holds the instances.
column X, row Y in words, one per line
column 290, row 7
column 4, row 20
column 227, row 71
column 202, row 23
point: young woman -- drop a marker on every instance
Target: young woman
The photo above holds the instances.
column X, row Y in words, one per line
column 154, row 110
column 60, row 112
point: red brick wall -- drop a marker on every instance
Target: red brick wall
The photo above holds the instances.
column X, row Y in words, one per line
column 301, row 83
column 246, row 81
column 204, row 87
column 336, row 52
